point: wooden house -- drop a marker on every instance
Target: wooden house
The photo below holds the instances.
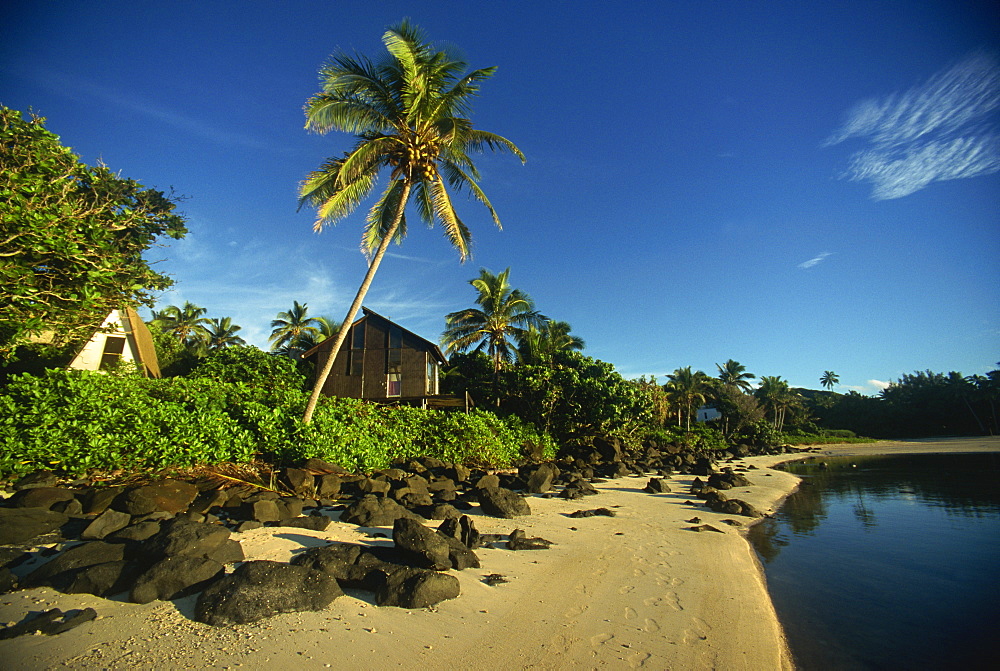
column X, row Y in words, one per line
column 382, row 361
column 123, row 336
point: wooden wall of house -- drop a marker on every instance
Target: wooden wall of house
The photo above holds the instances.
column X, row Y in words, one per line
column 373, row 384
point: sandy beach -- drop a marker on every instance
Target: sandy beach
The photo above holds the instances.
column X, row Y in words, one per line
column 640, row 589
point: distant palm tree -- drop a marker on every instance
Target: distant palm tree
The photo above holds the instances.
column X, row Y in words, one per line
column 186, row 323
column 290, row 328
column 221, row 333
column 687, row 390
column 829, row 379
column 538, row 344
column 776, row 396
column 326, row 327
column 733, row 374
column 504, row 315
column 409, row 113
column 960, row 388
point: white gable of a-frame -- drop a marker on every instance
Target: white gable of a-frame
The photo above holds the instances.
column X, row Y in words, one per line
column 113, row 343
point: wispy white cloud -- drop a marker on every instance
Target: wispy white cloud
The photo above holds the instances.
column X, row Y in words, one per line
column 814, row 260
column 64, row 84
column 944, row 129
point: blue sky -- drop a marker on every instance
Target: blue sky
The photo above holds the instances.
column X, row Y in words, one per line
column 800, row 186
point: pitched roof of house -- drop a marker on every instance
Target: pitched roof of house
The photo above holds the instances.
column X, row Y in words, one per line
column 434, row 349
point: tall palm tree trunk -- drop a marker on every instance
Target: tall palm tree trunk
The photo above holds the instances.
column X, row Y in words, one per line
column 355, row 306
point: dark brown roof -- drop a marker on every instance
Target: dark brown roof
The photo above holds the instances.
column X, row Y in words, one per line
column 371, row 313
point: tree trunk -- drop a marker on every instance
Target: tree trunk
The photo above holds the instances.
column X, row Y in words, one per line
column 974, row 415
column 355, row 306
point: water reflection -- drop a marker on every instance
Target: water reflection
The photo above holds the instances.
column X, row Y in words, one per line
column 886, row 562
column 966, row 489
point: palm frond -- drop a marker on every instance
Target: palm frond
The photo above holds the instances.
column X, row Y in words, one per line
column 481, row 140
column 459, row 180
column 455, row 230
column 382, row 216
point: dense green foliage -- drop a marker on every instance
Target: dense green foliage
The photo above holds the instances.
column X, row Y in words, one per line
column 71, row 237
column 574, row 397
column 251, row 367
column 504, row 315
column 76, row 420
column 924, row 403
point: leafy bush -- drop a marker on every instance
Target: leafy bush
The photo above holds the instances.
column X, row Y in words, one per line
column 249, row 366
column 700, row 437
column 760, row 434
column 78, row 420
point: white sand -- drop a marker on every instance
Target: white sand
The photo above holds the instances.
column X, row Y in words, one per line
column 635, row 590
column 638, row 589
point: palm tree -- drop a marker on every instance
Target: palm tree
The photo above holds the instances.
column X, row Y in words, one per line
column 187, row 323
column 959, row 388
column 539, row 344
column 829, row 379
column 776, row 396
column 408, row 113
column 289, row 328
column 686, row 389
column 504, row 314
column 733, row 374
column 221, row 333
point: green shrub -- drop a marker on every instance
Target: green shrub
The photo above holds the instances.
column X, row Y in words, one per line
column 249, row 366
column 760, row 434
column 73, row 421
column 701, row 437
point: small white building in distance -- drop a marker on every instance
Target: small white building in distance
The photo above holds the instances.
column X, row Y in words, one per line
column 707, row 413
column 122, row 337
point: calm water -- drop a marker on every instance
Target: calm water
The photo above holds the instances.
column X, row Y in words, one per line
column 888, row 562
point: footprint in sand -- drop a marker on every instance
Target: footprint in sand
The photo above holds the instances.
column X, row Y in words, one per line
column 600, row 639
column 638, row 573
column 625, row 589
column 665, row 580
column 698, row 631
column 575, row 611
column 630, row 613
column 669, row 600
column 558, row 644
column 651, row 626
column 638, row 659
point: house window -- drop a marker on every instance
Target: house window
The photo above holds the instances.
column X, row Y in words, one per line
column 394, row 371
column 113, row 348
column 356, row 355
column 356, row 362
column 431, row 383
column 358, row 336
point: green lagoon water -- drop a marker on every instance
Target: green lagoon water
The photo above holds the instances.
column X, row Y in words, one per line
column 888, row 562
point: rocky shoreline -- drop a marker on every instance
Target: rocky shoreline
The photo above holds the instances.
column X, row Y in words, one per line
column 175, row 542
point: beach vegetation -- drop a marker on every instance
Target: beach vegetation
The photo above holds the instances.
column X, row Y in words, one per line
column 734, row 374
column 687, row 390
column 251, row 367
column 572, row 397
column 504, row 317
column 829, row 380
column 187, row 323
column 72, row 238
column 409, row 114
column 74, row 421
